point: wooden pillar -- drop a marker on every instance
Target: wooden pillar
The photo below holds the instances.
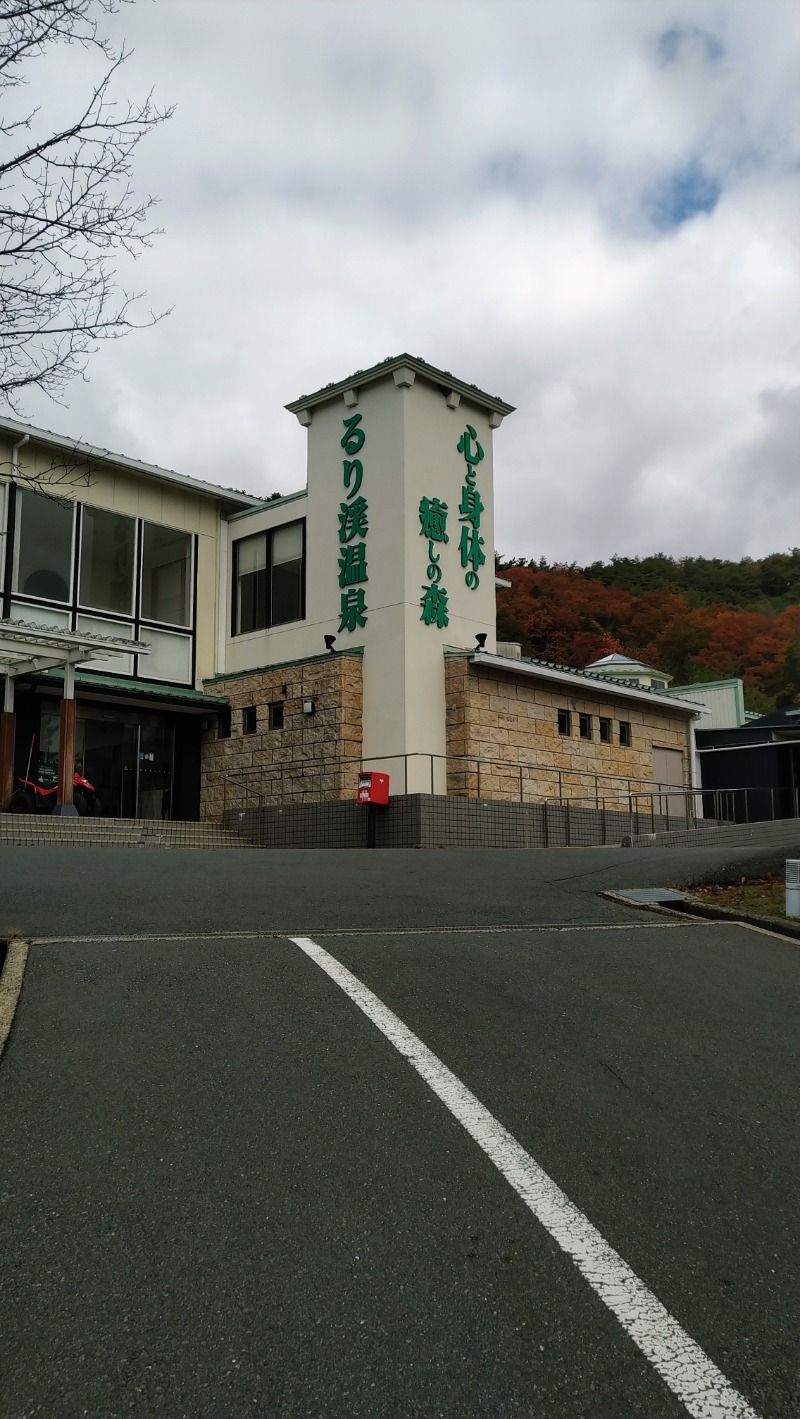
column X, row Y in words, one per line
column 66, row 746
column 8, row 726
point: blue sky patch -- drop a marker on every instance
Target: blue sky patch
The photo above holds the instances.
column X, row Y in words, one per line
column 682, row 195
column 679, row 37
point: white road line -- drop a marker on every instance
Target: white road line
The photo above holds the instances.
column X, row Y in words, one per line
column 688, row 1372
column 282, row 935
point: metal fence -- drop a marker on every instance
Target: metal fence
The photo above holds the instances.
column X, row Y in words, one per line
column 628, row 806
column 325, row 780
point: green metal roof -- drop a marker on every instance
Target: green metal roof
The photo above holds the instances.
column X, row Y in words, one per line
column 141, row 688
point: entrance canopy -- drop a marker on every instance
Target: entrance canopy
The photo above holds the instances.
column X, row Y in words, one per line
column 27, row 647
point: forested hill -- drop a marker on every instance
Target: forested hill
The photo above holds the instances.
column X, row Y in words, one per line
column 771, row 584
column 697, row 618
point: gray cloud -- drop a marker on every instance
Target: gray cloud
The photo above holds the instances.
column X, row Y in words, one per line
column 475, row 182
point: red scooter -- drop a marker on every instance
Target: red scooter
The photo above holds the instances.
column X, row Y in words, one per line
column 38, row 795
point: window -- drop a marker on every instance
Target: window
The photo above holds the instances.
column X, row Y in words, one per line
column 107, row 547
column 564, row 722
column 605, row 730
column 43, row 546
column 166, row 568
column 249, row 720
column 625, row 732
column 224, row 723
column 287, row 574
column 276, row 715
column 268, row 579
column 585, row 726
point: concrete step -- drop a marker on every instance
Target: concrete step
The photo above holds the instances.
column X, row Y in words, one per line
column 20, row 829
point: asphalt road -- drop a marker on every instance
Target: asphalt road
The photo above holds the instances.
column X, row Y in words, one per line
column 226, row 1193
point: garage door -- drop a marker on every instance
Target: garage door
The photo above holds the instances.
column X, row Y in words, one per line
column 668, row 774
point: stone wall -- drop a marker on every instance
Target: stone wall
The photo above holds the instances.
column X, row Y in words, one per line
column 313, row 758
column 503, row 740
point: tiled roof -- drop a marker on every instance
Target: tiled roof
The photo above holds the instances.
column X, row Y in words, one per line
column 593, row 675
column 421, row 366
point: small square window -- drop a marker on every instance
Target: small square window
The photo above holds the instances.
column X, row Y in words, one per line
column 625, row 732
column 585, row 726
column 249, row 720
column 276, row 715
column 564, row 722
column 605, row 730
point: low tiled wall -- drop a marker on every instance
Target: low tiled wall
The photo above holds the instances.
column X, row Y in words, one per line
column 783, row 832
column 431, row 821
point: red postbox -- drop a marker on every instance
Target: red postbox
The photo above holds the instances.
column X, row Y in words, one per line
column 373, row 788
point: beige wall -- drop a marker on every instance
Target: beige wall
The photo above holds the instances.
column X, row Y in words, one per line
column 135, row 495
column 410, row 451
column 510, row 724
column 314, row 757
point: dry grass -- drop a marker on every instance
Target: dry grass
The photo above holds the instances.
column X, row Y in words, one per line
column 764, row 895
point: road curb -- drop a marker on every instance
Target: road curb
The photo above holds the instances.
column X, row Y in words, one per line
column 11, row 979
column 696, row 907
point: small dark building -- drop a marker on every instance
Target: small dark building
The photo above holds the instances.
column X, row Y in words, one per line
column 752, row 774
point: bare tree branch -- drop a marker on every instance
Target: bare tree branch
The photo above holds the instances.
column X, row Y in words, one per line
column 68, row 209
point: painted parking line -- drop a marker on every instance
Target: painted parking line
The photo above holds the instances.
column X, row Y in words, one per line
column 534, row 928
column 685, row 1368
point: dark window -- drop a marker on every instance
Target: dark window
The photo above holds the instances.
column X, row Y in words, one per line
column 624, row 732
column 276, row 715
column 44, row 547
column 585, row 726
column 166, row 564
column 605, row 730
column 268, row 579
column 287, row 574
column 224, row 724
column 107, row 543
column 249, row 720
column 564, row 722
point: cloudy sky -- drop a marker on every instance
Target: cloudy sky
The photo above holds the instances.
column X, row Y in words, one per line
column 587, row 207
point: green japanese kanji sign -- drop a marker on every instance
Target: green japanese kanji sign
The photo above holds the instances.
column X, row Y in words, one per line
column 434, row 606
column 353, row 564
column 433, row 520
column 353, row 525
column 470, row 509
column 352, row 520
column 354, row 609
column 433, row 525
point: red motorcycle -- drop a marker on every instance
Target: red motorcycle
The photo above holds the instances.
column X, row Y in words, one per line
column 39, row 795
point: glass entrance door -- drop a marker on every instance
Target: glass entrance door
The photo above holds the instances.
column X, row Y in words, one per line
column 108, row 752
column 126, row 756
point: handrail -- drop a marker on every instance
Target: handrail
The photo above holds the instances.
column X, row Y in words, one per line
column 643, row 801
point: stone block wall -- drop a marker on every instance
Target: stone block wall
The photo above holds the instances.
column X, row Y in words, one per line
column 313, row 758
column 503, row 740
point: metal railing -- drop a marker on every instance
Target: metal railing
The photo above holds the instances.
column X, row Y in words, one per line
column 328, row 779
column 647, row 807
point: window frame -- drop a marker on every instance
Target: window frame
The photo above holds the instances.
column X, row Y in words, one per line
column 272, row 708
column 625, row 734
column 83, row 607
column 12, row 540
column 585, row 721
column 267, row 533
column 191, row 589
column 605, row 722
column 75, row 608
column 567, row 719
column 249, row 726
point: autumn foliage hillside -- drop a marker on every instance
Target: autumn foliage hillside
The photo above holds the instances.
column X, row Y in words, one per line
column 698, row 619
